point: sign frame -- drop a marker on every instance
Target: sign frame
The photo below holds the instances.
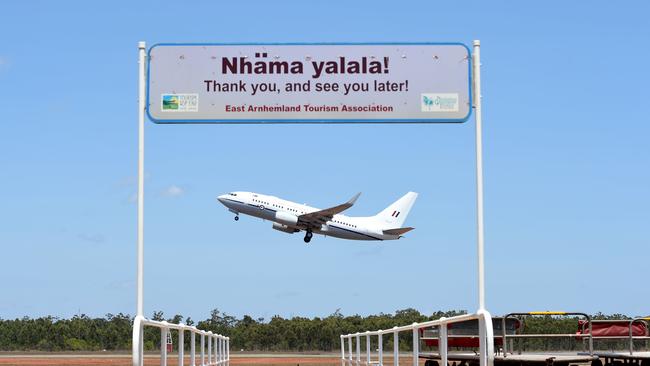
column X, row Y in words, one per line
column 317, row 120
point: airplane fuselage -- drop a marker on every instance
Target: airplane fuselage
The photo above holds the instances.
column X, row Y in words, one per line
column 284, row 215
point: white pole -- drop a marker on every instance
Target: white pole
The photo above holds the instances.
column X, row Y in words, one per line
column 181, row 346
column 476, row 69
column 416, row 345
column 442, row 342
column 209, row 348
column 358, row 338
column 202, row 349
column 350, row 348
column 141, row 108
column 163, row 346
column 395, row 348
column 380, row 352
column 368, row 347
column 192, row 348
column 342, row 347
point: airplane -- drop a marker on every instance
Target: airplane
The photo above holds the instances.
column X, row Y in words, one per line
column 291, row 217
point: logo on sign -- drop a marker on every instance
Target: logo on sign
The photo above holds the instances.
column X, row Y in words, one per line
column 180, row 102
column 439, row 102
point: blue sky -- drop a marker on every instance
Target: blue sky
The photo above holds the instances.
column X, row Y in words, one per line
column 567, row 178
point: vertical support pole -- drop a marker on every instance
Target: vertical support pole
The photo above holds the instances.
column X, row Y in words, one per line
column 416, row 345
column 380, row 346
column 222, row 351
column 504, row 336
column 209, row 348
column 358, row 339
column 181, row 346
column 342, row 347
column 442, row 342
column 227, row 349
column 219, row 349
column 350, row 348
column 476, row 70
column 482, row 346
column 368, row 347
column 163, row 346
column 138, row 332
column 395, row 348
column 192, row 348
column 202, row 349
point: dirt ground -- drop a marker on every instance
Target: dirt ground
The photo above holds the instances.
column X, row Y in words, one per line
column 55, row 359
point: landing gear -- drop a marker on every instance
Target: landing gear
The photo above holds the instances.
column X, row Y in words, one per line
column 308, row 236
column 237, row 218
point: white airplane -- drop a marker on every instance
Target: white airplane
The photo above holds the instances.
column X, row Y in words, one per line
column 291, row 217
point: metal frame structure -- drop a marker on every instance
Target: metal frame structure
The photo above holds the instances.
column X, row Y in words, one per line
column 630, row 356
column 221, row 343
column 485, row 322
column 486, row 336
column 534, row 313
column 483, row 317
column 630, row 337
column 216, row 342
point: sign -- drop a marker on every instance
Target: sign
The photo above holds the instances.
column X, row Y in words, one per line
column 309, row 83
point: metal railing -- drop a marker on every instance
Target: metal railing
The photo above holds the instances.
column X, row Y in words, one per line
column 217, row 342
column 545, row 313
column 630, row 336
column 486, row 336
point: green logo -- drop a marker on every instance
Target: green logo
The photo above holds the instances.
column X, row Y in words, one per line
column 169, row 102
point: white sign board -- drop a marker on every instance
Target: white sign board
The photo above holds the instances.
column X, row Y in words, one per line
column 309, row 83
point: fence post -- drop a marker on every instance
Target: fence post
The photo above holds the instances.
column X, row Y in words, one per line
column 202, row 349
column 209, row 347
column 442, row 342
column 163, row 346
column 380, row 346
column 358, row 339
column 181, row 346
column 222, row 352
column 227, row 348
column 192, row 347
column 342, row 347
column 368, row 347
column 350, row 348
column 416, row 345
column 395, row 347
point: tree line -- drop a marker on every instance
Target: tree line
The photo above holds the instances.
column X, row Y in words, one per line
column 113, row 332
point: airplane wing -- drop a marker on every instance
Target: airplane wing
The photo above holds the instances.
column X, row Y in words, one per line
column 314, row 220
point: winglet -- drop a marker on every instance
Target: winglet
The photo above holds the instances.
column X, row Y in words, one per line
column 354, row 199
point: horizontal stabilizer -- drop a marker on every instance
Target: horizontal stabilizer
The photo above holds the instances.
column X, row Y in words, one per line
column 398, row 231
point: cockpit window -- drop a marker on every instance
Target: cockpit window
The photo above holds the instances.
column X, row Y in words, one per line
column 232, row 194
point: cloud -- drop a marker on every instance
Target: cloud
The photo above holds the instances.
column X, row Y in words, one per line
column 173, row 191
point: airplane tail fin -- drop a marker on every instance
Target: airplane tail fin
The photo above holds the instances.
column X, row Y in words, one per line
column 394, row 215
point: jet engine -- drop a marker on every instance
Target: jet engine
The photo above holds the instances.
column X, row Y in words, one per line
column 284, row 228
column 286, row 218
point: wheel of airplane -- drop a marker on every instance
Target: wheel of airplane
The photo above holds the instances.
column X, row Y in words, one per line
column 236, row 218
column 307, row 239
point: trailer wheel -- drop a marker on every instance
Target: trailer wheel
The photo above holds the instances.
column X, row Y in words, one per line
column 431, row 363
column 597, row 362
column 645, row 362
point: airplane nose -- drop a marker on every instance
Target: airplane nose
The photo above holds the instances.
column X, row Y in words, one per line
column 222, row 199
